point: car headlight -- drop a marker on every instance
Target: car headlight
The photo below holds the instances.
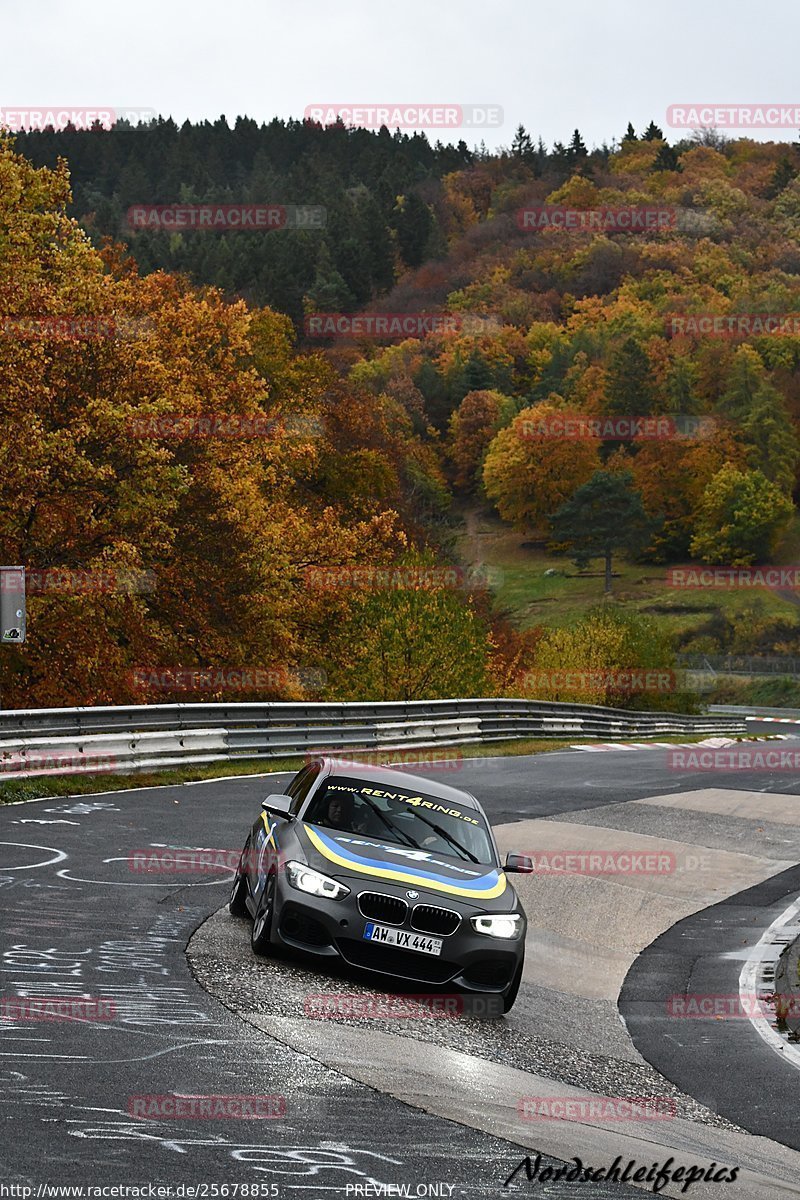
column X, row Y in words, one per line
column 306, row 879
column 504, row 925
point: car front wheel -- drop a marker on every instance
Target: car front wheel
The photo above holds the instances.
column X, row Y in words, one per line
column 261, row 935
column 236, row 905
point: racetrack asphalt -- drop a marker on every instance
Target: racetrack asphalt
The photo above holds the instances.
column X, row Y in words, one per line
column 77, row 920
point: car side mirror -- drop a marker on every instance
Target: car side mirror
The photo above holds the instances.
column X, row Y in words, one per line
column 521, row 864
column 278, row 805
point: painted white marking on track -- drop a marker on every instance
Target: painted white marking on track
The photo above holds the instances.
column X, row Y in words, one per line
column 749, row 984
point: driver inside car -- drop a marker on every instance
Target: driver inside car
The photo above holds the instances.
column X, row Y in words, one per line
column 341, row 814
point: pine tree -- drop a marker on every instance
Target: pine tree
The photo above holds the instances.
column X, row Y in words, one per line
column 745, row 378
column 434, row 390
column 604, row 516
column 552, row 374
column 630, row 388
column 666, row 159
column 541, row 155
column 374, row 233
column 782, row 176
column 413, row 222
column 772, row 441
column 577, row 151
column 681, row 387
column 329, row 292
column 352, row 262
column 478, row 374
column 522, row 145
column 653, row 133
column 630, row 134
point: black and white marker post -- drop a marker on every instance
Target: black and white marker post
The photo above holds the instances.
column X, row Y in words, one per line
column 12, row 605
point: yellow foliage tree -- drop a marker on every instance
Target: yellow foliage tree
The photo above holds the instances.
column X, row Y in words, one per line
column 531, row 469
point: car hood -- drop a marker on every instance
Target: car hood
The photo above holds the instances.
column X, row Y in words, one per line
column 345, row 855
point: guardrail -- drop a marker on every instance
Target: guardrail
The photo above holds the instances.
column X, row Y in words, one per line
column 154, row 736
column 740, row 664
column 753, row 712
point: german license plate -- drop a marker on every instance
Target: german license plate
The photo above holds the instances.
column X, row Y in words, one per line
column 402, row 939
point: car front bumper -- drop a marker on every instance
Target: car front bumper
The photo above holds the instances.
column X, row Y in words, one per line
column 469, row 961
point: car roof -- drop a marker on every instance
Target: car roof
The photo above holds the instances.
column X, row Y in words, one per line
column 389, row 777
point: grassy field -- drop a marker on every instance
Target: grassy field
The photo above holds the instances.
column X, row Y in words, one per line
column 530, row 597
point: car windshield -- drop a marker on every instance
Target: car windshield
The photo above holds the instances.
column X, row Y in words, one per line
column 398, row 815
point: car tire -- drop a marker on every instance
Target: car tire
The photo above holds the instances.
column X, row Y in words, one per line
column 237, row 904
column 510, row 995
column 261, row 933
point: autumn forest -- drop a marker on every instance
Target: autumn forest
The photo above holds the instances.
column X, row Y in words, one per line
column 287, row 508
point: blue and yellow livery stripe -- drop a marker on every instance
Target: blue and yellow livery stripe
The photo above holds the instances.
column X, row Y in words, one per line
column 270, row 830
column 483, row 887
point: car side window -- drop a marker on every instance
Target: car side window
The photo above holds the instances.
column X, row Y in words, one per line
column 301, row 785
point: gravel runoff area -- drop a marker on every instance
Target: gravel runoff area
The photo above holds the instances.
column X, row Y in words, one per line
column 223, row 963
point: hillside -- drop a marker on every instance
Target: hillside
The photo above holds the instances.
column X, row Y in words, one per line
column 623, row 341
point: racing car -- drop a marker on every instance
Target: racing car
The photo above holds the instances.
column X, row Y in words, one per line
column 386, row 872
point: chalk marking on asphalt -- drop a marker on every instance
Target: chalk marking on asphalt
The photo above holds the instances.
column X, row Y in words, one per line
column 151, row 787
column 42, row 821
column 3, row 1038
column 114, row 1061
column 163, row 883
column 60, row 855
column 169, row 1050
column 749, row 985
column 61, row 1057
